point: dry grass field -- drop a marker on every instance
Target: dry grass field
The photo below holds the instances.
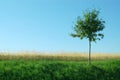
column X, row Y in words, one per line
column 65, row 56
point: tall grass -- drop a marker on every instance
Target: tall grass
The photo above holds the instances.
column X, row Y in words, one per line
column 58, row 66
column 59, row 70
column 64, row 56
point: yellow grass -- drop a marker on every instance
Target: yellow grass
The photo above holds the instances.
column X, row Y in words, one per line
column 65, row 56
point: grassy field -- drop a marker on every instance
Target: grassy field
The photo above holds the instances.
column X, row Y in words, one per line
column 61, row 56
column 65, row 66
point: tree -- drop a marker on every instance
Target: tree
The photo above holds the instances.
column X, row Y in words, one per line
column 89, row 27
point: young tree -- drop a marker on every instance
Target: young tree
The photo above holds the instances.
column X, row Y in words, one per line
column 89, row 27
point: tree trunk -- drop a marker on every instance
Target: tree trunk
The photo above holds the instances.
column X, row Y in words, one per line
column 89, row 58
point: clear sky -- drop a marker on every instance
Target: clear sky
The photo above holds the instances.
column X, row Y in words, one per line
column 45, row 25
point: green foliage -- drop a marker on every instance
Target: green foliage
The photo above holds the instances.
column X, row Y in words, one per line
column 89, row 26
column 59, row 70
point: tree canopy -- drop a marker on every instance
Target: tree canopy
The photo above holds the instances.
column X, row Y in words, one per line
column 89, row 26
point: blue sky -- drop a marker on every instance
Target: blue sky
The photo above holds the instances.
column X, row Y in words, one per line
column 45, row 25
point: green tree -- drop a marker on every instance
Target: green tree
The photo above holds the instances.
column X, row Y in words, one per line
column 89, row 27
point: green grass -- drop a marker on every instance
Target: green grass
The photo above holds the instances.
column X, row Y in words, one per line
column 59, row 70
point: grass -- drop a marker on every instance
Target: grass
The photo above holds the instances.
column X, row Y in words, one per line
column 57, row 56
column 59, row 70
column 65, row 66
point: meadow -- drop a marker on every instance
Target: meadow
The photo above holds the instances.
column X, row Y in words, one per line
column 61, row 66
